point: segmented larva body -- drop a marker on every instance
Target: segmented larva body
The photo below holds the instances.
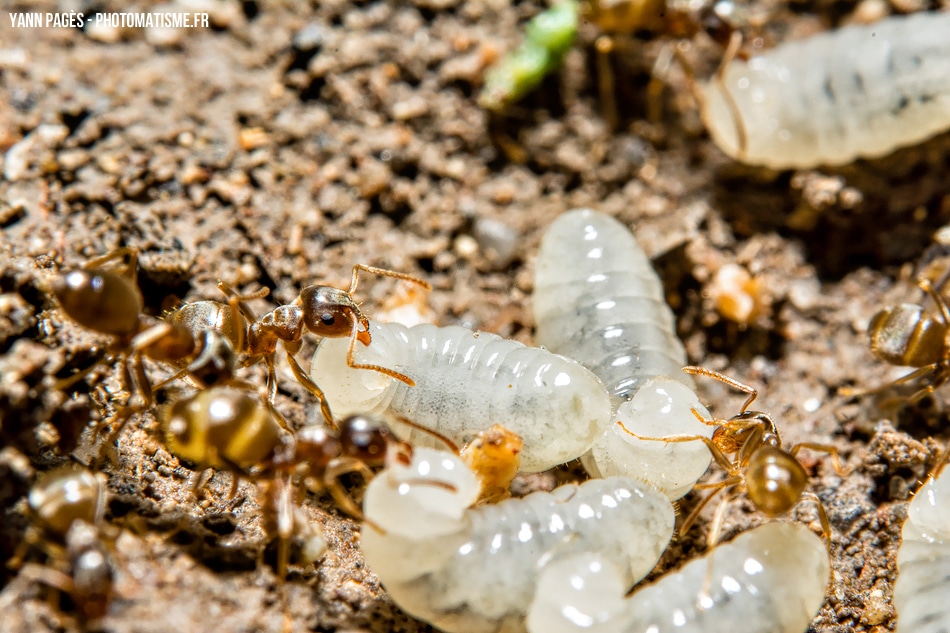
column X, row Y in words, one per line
column 770, row 579
column 923, row 562
column 861, row 91
column 474, row 570
column 465, row 382
column 598, row 300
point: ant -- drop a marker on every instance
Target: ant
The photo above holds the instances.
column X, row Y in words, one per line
column 200, row 338
column 906, row 335
column 67, row 506
column 770, row 475
column 327, row 312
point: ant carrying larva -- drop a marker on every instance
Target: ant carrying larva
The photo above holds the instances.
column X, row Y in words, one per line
column 465, row 381
column 768, row 474
column 598, row 300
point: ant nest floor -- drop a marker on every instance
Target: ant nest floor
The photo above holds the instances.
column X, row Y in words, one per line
column 286, row 143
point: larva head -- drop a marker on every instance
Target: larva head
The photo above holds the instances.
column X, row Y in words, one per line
column 100, row 300
column 775, row 480
column 66, row 495
column 330, row 312
column 423, row 500
column 907, row 335
column 221, row 428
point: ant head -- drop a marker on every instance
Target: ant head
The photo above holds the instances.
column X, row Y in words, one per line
column 317, row 447
column 366, row 439
column 775, row 480
column 738, row 430
column 100, row 300
column 329, row 311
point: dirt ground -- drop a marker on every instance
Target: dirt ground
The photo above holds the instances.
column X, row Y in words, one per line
column 290, row 141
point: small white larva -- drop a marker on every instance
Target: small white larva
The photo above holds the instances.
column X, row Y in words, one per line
column 861, row 91
column 465, row 382
column 770, row 579
column 598, row 300
column 474, row 570
column 923, row 562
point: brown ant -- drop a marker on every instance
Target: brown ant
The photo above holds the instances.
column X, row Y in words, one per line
column 327, row 312
column 201, row 337
column 906, row 334
column 67, row 507
column 770, row 476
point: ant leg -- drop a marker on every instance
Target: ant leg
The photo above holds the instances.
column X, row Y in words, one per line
column 140, row 400
column 824, row 448
column 604, row 45
column 119, row 253
column 354, row 280
column 732, row 50
column 452, row 446
column 312, row 387
column 351, row 361
column 717, row 453
column 331, row 480
column 941, row 304
column 719, row 487
column 735, row 384
column 715, row 531
column 849, row 392
column 62, row 384
column 199, row 481
column 655, row 86
column 822, row 517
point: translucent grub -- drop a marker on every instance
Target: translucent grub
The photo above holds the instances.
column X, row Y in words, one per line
column 770, row 579
column 860, row 91
column 475, row 569
column 465, row 381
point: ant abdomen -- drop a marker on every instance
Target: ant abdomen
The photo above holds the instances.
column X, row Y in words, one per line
column 906, row 335
column 100, row 300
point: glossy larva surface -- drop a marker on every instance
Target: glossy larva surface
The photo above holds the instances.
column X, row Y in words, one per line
column 770, row 579
column 858, row 92
column 465, row 382
column 923, row 561
column 598, row 300
column 474, row 570
column 661, row 407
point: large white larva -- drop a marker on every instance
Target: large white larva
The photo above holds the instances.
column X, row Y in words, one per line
column 923, row 562
column 465, row 382
column 770, row 579
column 857, row 92
column 474, row 570
column 598, row 300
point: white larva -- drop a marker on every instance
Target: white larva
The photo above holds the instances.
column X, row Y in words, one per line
column 923, row 562
column 770, row 579
column 465, row 382
column 474, row 570
column 598, row 300
column 861, row 91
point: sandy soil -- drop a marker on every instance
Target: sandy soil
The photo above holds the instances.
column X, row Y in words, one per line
column 288, row 142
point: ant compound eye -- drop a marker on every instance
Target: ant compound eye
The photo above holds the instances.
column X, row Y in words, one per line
column 327, row 319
